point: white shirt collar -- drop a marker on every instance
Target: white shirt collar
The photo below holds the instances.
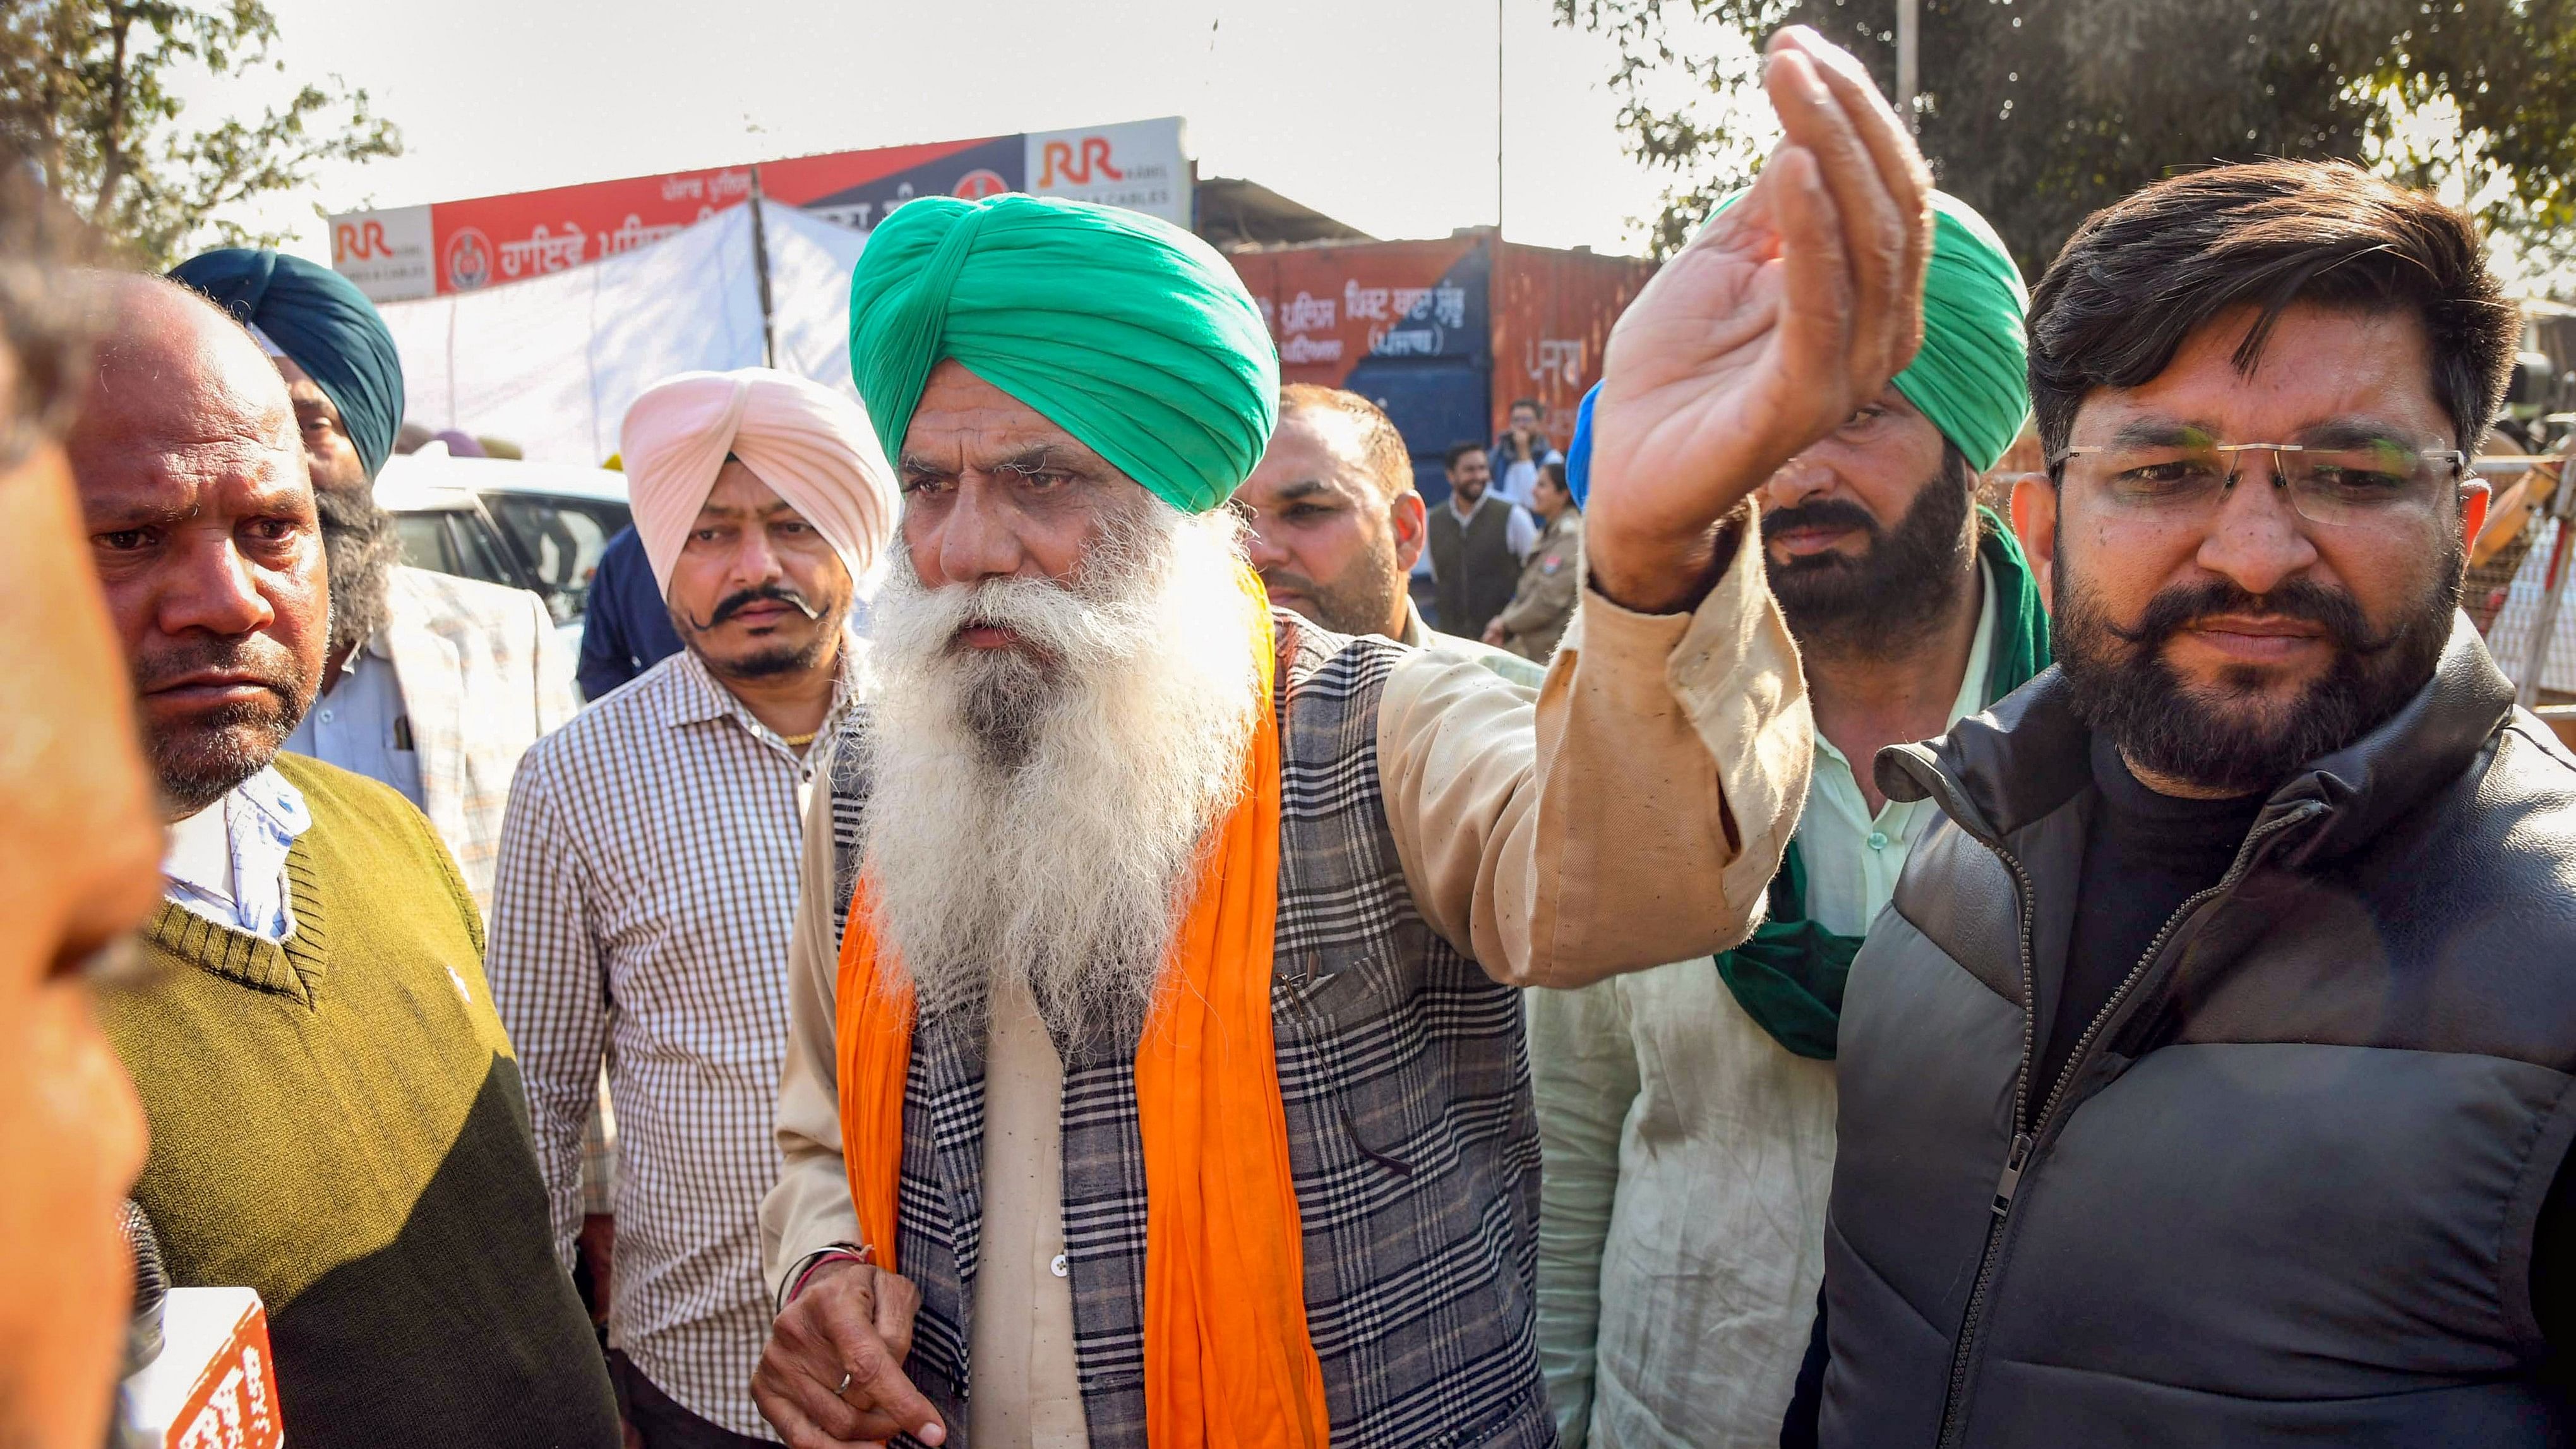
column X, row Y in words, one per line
column 228, row 861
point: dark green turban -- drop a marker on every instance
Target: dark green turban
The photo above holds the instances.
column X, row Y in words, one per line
column 1972, row 376
column 1127, row 332
column 321, row 320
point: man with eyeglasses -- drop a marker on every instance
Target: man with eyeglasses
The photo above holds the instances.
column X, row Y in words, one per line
column 2210, row 1077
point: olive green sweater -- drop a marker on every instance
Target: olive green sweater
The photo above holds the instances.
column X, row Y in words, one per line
column 337, row 1122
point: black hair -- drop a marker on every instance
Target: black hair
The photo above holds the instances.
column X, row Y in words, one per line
column 1455, row 451
column 2143, row 274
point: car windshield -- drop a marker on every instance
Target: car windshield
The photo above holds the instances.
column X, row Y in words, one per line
column 452, row 541
column 559, row 539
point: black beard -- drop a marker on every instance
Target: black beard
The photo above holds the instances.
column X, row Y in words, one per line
column 766, row 663
column 771, row 663
column 1889, row 598
column 2230, row 738
column 359, row 550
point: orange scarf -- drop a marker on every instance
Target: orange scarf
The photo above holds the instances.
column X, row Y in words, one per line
column 1228, row 1364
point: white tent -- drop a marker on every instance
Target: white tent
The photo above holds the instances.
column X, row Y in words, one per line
column 551, row 363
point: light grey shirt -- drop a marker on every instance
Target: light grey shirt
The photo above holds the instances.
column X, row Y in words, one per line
column 1515, row 478
column 361, row 725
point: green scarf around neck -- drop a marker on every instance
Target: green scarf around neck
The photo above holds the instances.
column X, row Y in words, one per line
column 1789, row 976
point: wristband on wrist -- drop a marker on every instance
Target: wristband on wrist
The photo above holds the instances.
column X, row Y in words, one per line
column 805, row 1268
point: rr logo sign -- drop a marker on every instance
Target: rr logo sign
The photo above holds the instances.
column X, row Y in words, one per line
column 351, row 241
column 1061, row 168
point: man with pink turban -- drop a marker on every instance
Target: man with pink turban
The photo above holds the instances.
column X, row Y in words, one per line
column 649, row 872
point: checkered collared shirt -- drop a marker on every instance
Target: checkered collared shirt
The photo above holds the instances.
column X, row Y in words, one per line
column 647, row 887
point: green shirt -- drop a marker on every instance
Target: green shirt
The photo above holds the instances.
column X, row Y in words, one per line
column 337, row 1122
column 1853, row 856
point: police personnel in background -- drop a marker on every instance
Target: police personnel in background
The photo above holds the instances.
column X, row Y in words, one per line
column 1535, row 619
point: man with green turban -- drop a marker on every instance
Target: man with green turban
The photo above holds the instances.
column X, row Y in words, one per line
column 1678, row 1269
column 1156, row 1071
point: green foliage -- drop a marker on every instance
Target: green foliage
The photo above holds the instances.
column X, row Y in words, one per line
column 2037, row 112
column 86, row 99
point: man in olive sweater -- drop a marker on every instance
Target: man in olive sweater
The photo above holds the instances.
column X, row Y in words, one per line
column 336, row 1116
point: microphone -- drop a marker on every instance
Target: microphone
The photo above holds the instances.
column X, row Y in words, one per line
column 143, row 1339
column 198, row 1372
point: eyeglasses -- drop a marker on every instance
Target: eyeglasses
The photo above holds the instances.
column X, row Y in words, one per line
column 2184, row 482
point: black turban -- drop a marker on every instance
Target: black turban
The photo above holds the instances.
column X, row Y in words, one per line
column 325, row 324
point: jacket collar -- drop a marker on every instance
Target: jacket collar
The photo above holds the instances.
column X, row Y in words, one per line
column 2029, row 756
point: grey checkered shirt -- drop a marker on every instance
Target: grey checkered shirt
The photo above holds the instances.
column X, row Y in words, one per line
column 647, row 888
column 1411, row 1135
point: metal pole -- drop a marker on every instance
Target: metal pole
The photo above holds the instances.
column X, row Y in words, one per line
column 1909, row 61
column 2562, row 563
column 1498, row 120
column 760, row 269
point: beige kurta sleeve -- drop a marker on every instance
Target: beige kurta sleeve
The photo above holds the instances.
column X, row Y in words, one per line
column 810, row 1207
column 1632, row 814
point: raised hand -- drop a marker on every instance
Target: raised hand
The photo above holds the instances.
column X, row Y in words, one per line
column 832, row 1375
column 1782, row 317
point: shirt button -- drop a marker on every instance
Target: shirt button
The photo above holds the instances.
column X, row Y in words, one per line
column 1056, row 1266
column 326, row 716
column 1878, row 840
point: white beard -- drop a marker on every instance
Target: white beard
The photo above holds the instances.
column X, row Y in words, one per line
column 1039, row 813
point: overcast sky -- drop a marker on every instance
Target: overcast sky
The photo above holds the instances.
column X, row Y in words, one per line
column 1380, row 112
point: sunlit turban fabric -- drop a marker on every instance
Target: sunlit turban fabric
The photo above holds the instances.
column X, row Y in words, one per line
column 1972, row 378
column 1127, row 332
column 809, row 443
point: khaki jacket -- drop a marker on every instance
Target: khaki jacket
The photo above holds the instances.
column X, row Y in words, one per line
column 1538, row 613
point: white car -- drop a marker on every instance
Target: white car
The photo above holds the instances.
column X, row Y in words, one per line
column 536, row 526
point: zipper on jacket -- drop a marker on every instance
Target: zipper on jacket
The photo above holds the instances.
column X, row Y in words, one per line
column 2010, row 1182
column 2026, row 1140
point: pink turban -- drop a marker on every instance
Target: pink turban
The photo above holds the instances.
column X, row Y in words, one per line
column 811, row 445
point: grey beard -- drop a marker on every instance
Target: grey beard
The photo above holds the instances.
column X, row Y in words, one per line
column 359, row 551
column 1038, row 813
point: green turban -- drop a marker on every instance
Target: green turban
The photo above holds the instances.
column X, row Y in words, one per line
column 1127, row 332
column 1972, row 378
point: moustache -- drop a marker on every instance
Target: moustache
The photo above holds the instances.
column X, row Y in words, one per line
column 1049, row 619
column 2333, row 610
column 735, row 603
column 1822, row 513
column 257, row 655
column 1288, row 579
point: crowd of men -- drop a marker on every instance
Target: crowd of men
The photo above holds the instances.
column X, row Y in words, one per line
column 1793, row 957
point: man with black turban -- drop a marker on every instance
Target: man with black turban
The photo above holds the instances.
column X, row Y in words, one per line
column 435, row 684
column 1156, row 1073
